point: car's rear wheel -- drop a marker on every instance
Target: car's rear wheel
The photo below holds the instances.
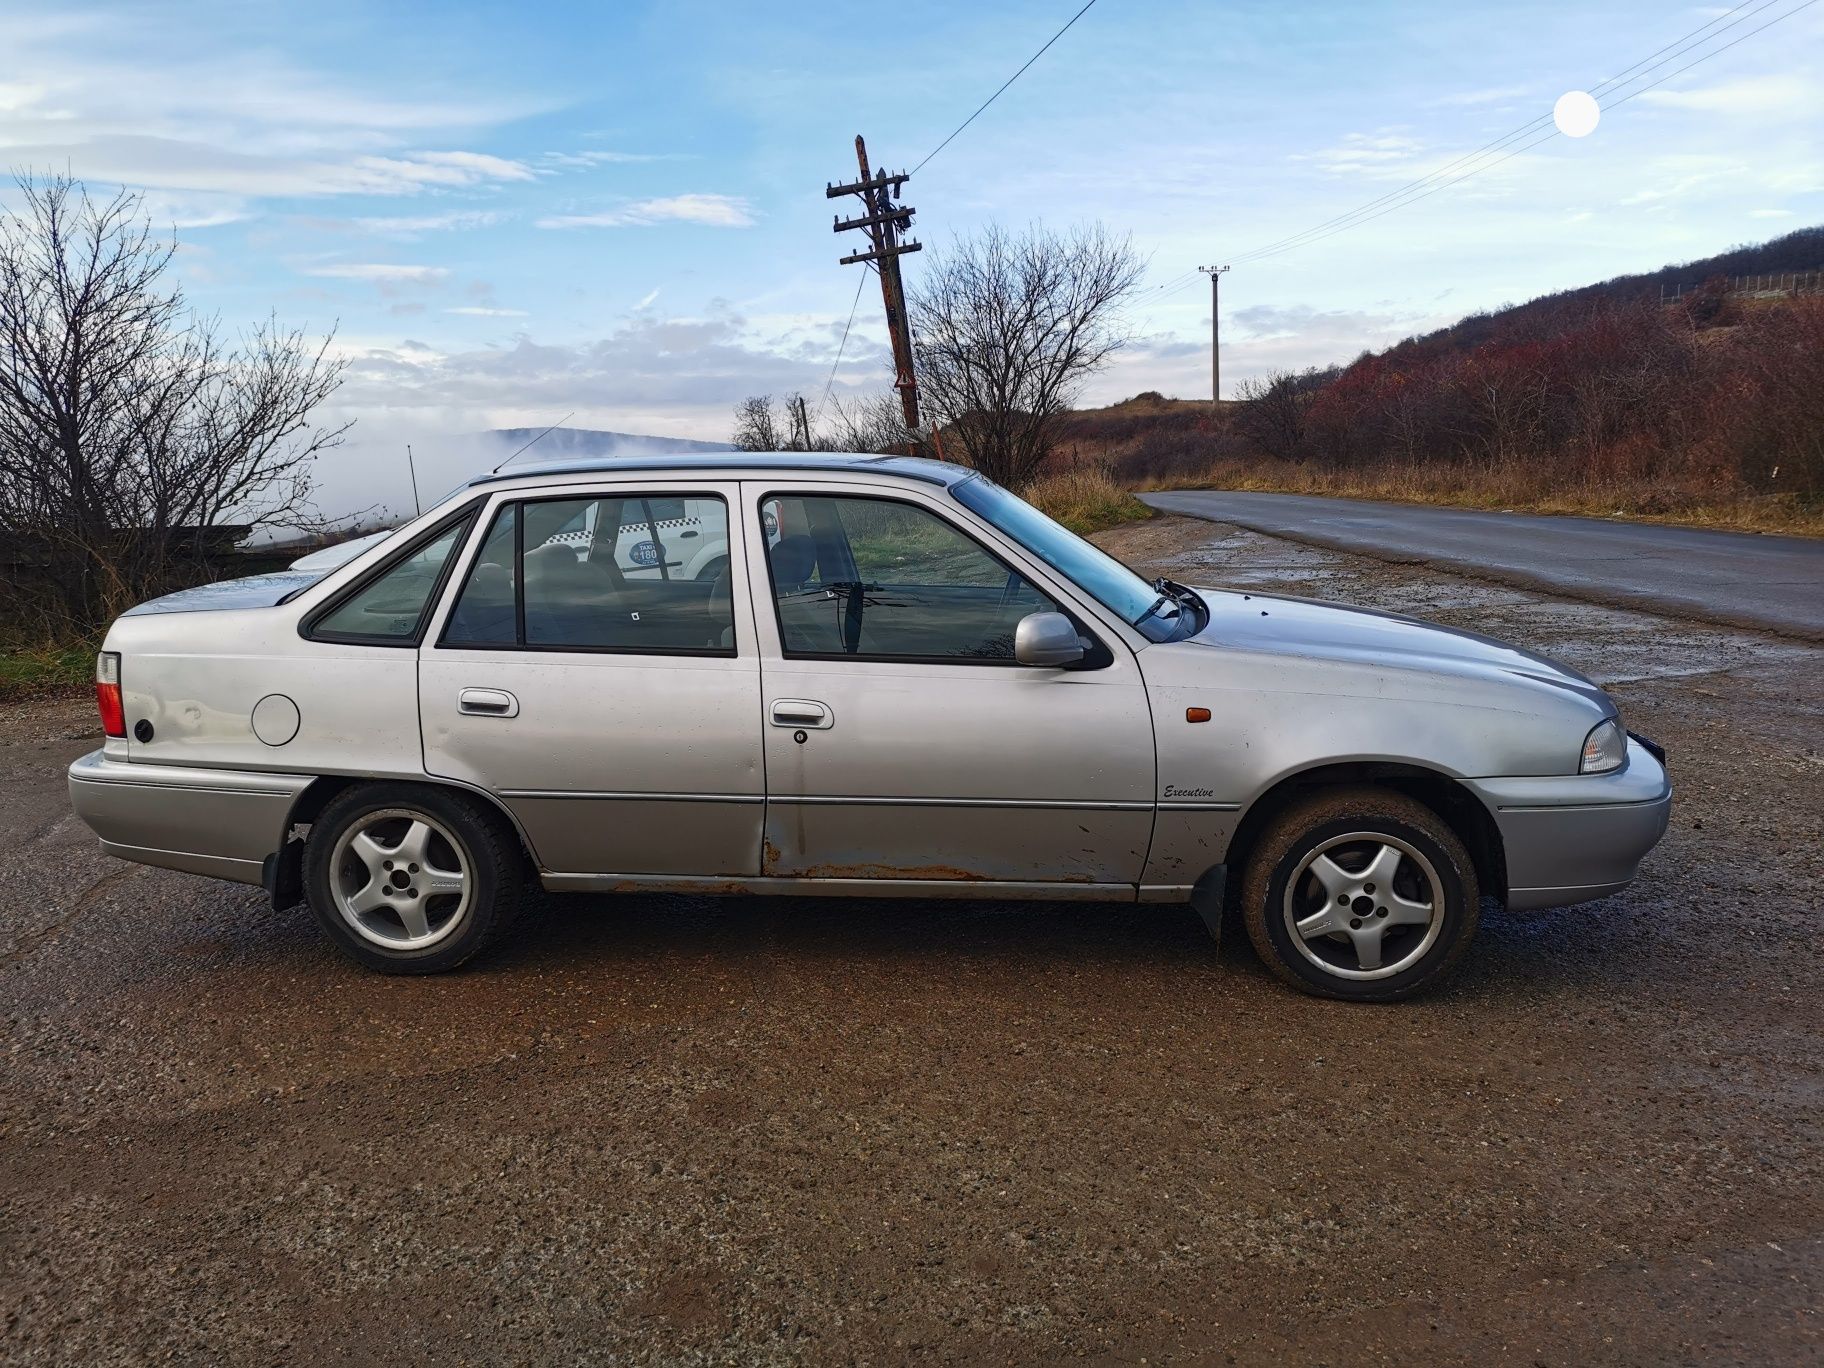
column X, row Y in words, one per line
column 412, row 880
column 1361, row 893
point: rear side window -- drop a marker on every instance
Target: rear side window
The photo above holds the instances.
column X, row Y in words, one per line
column 391, row 608
column 486, row 614
column 601, row 574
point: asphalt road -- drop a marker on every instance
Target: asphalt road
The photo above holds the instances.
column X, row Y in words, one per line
column 1737, row 579
column 679, row 1131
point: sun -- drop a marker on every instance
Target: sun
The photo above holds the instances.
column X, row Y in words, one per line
column 1576, row 114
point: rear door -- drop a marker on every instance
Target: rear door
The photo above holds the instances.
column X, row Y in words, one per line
column 902, row 740
column 611, row 705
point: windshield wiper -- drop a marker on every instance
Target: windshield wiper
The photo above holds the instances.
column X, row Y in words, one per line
column 1158, row 603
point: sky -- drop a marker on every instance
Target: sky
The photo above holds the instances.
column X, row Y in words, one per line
column 612, row 213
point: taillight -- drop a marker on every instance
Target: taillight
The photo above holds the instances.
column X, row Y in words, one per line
column 107, row 694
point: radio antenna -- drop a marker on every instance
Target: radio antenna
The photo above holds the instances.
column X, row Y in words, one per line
column 412, row 466
column 541, row 436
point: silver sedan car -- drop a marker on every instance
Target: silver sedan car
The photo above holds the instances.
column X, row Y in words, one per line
column 894, row 678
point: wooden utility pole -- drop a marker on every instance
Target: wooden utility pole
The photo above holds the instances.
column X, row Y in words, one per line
column 1215, row 275
column 883, row 222
column 801, row 422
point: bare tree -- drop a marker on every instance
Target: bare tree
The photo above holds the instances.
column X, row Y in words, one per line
column 128, row 427
column 1005, row 330
column 757, row 425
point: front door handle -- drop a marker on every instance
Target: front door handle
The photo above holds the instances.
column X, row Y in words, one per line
column 802, row 712
column 487, row 703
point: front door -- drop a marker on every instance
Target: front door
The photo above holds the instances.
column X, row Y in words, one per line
column 609, row 702
column 902, row 740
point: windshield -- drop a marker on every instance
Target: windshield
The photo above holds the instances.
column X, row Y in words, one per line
column 1091, row 569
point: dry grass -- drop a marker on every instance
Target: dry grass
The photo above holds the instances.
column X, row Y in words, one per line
column 41, row 671
column 1086, row 499
column 1516, row 489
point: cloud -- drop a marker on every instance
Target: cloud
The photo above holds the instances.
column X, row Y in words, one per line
column 175, row 164
column 486, row 311
column 581, row 161
column 1466, row 99
column 416, row 225
column 1784, row 96
column 1256, row 341
column 1770, row 213
column 385, row 272
column 1367, row 154
column 121, row 98
column 715, row 211
column 187, row 209
column 469, row 168
column 681, row 376
column 647, row 298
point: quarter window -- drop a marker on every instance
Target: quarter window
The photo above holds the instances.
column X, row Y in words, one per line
column 601, row 574
column 391, row 608
column 888, row 580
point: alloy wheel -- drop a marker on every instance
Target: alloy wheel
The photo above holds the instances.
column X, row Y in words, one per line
column 401, row 879
column 1364, row 905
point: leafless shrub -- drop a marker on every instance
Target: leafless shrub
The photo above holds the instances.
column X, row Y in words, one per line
column 873, row 423
column 1274, row 409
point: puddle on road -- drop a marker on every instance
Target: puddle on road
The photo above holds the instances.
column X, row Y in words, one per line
column 1611, row 645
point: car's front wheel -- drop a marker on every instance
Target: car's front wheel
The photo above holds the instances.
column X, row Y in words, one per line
column 412, row 880
column 1360, row 893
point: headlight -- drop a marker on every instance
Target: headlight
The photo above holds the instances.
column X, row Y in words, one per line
column 1604, row 749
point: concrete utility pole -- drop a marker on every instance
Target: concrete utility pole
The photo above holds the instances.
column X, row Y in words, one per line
column 884, row 221
column 1215, row 275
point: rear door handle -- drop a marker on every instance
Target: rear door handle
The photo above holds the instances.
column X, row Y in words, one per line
column 487, row 703
column 802, row 712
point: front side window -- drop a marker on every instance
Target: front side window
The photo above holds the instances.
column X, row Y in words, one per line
column 391, row 608
column 878, row 578
column 1084, row 564
column 601, row 574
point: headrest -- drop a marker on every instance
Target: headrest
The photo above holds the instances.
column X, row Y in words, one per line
column 794, row 560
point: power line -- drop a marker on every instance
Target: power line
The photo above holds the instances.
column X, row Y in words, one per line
column 1531, row 126
column 1708, row 55
column 842, row 346
column 1009, row 81
column 1477, row 161
column 1684, row 44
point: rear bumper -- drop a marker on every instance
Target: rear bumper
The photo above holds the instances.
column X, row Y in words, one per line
column 222, row 823
column 1575, row 837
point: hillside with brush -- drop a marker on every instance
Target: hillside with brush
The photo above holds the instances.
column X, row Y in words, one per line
column 1708, row 408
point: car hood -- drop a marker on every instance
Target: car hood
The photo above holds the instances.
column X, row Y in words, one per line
column 253, row 591
column 1312, row 629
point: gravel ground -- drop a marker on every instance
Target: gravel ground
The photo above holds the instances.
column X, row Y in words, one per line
column 680, row 1131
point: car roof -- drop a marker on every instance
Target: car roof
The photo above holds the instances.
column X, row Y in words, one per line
column 744, row 462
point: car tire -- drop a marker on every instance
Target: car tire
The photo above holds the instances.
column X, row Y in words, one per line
column 1363, row 894
column 413, row 879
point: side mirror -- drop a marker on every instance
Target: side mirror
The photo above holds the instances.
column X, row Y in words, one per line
column 1048, row 639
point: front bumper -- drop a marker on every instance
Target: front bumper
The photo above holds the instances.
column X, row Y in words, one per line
column 219, row 822
column 1570, row 838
